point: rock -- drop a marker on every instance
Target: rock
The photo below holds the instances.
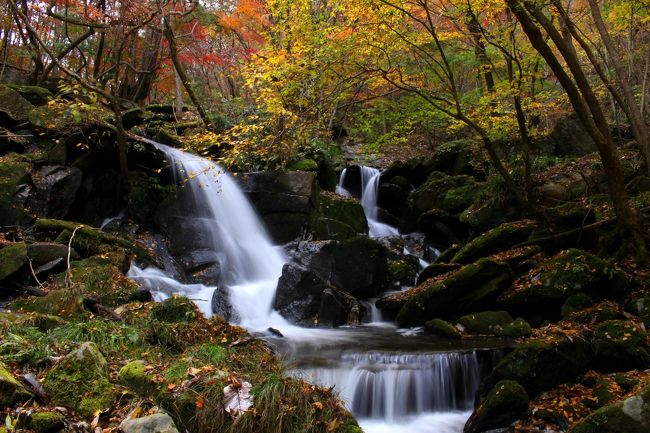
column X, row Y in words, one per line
column 12, row 259
column 284, row 201
column 55, row 189
column 539, row 365
column 489, row 213
column 105, row 282
column 575, row 303
column 305, row 164
column 452, row 157
column 175, row 309
column 46, row 422
column 485, row 321
column 41, row 253
column 442, row 328
column 34, row 94
column 14, row 109
column 620, row 345
column 11, row 391
column 436, row 269
column 221, row 305
column 496, row 240
column 394, row 197
column 505, row 403
column 338, row 218
column 13, row 174
column 515, row 329
column 156, row 423
column 442, row 229
column 548, row 286
column 631, row 415
column 431, row 195
column 80, row 381
column 474, row 287
column 134, row 376
column 403, row 271
column 459, row 198
column 360, row 267
column 641, row 307
column 303, row 297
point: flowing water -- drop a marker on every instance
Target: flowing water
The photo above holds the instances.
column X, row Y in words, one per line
column 392, row 380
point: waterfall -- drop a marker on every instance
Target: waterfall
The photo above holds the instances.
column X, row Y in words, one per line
column 369, row 189
column 250, row 264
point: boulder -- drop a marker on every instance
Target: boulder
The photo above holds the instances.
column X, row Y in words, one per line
column 442, row 328
column 474, row 287
column 539, row 365
column 174, row 310
column 221, row 305
column 14, row 109
column 631, row 415
column 548, row 286
column 485, row 321
column 452, row 157
column 12, row 259
column 42, row 253
column 80, row 381
column 435, row 270
column 431, row 195
column 338, row 218
column 55, row 189
column 14, row 174
column 11, row 391
column 156, row 423
column 393, row 196
column 134, row 376
column 515, row 329
column 441, row 228
column 506, row 402
column 34, row 94
column 496, row 240
column 45, row 422
column 620, row 345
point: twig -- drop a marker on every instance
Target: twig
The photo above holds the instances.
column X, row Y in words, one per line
column 68, row 274
column 31, row 268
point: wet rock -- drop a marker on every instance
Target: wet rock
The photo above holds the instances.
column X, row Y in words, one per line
column 496, row 240
column 620, row 345
column 631, row 415
column 338, row 218
column 156, row 423
column 11, row 391
column 442, row 328
column 221, row 305
column 80, row 381
column 12, row 259
column 55, row 189
column 505, row 403
column 474, row 287
column 548, row 286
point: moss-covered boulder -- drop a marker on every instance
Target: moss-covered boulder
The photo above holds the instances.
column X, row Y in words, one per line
column 60, row 118
column 436, row 269
column 631, row 415
column 45, row 422
column 41, row 253
column 104, row 282
column 12, row 259
column 621, row 345
column 11, row 391
column 338, row 217
column 459, row 198
column 174, row 309
column 432, row 194
column 402, row 271
column 498, row 239
column 14, row 109
column 360, row 266
column 442, row 328
column 474, row 287
column 641, row 307
column 515, row 329
column 34, row 94
column 505, row 403
column 576, row 303
column 485, row 321
column 134, row 376
column 61, row 302
column 547, row 287
column 13, row 172
column 452, row 157
column 80, row 381
column 539, row 365
column 305, row 164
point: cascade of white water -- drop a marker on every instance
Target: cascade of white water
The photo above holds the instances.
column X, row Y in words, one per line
column 250, row 264
column 392, row 386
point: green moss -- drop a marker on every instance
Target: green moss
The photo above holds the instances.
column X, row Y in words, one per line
column 442, row 328
column 174, row 309
column 46, row 422
column 197, row 356
column 34, row 94
column 104, row 282
column 61, row 302
column 403, row 270
column 629, row 416
column 432, row 194
column 13, row 105
column 344, row 210
column 12, row 258
column 80, row 381
column 460, row 198
column 515, row 329
column 484, row 322
column 305, row 164
column 621, row 345
column 496, row 240
column 11, row 391
column 13, row 172
column 602, row 390
column 134, row 376
column 26, row 346
column 505, row 403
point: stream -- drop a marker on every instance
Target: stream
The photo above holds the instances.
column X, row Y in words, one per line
column 393, row 380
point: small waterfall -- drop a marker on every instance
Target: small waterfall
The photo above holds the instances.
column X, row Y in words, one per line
column 250, row 264
column 369, row 189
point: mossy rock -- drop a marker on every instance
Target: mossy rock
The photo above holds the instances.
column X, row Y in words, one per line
column 80, row 381
column 621, row 345
column 442, row 328
column 305, row 164
column 11, row 391
column 548, row 286
column 344, row 209
column 46, row 422
column 404, row 270
column 106, row 283
column 327, row 228
column 576, row 303
column 34, row 94
column 436, row 269
column 42, row 322
column 632, row 415
column 61, row 302
column 135, row 377
column 498, row 239
column 505, row 403
column 602, row 390
column 471, row 288
column 448, row 254
column 175, row 309
column 459, row 198
column 641, row 307
column 431, row 195
column 14, row 109
column 515, row 329
column 13, row 172
column 485, row 321
column 12, row 259
column 452, row 157
column 66, row 118
column 540, row 365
